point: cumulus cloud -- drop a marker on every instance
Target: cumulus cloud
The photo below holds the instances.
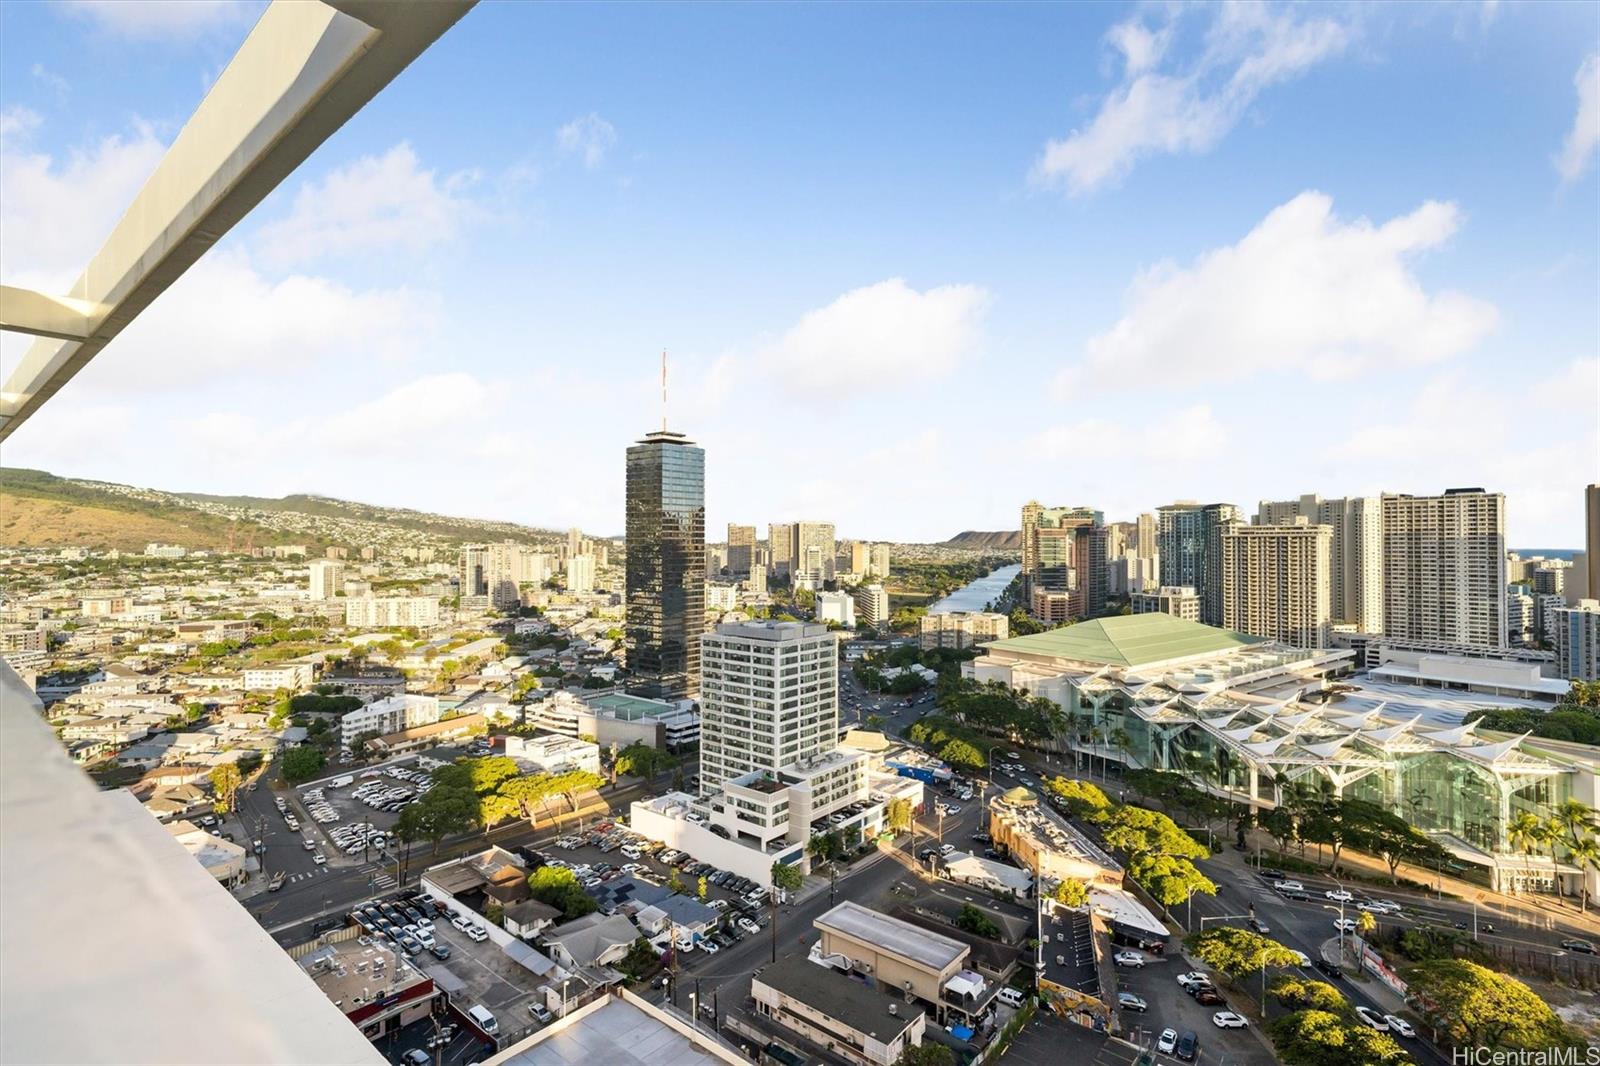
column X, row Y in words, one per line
column 876, row 336
column 56, row 212
column 1161, row 107
column 589, row 137
column 163, row 20
column 1191, row 435
column 1462, row 429
column 1577, row 152
column 376, row 204
column 1302, row 292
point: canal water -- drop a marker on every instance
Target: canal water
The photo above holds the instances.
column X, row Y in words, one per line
column 977, row 595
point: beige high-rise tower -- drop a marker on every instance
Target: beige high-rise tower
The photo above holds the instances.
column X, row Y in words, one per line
column 1591, row 539
column 1356, row 554
column 1276, row 583
column 1444, row 568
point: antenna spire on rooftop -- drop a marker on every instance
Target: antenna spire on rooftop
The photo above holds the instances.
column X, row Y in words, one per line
column 663, row 390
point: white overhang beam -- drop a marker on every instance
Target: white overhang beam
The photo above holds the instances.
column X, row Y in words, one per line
column 303, row 71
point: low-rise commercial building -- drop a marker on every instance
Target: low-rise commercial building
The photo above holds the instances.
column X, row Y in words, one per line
column 1046, row 843
column 920, row 963
column 290, row 676
column 376, row 988
column 391, row 612
column 426, row 736
column 618, row 718
column 860, row 1024
column 552, row 753
column 837, row 607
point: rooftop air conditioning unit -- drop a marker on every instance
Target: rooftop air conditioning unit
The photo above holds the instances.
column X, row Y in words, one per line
column 894, row 1009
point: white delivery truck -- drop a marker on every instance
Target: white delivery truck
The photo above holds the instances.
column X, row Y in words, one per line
column 340, row 782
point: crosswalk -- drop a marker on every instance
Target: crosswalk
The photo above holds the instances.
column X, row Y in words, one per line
column 309, row 875
column 380, row 877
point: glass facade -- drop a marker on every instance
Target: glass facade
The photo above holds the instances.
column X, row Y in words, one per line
column 666, row 572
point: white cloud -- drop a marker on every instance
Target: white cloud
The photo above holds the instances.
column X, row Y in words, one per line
column 1302, row 292
column 1579, row 148
column 878, row 335
column 1462, row 429
column 589, row 136
column 1247, row 49
column 1192, row 435
column 55, row 213
column 162, row 20
column 58, row 85
column 224, row 320
column 375, row 204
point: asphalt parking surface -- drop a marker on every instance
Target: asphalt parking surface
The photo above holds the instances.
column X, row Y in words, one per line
column 1157, row 984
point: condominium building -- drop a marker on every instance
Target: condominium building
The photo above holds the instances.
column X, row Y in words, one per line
column 666, row 574
column 959, row 630
column 1522, row 626
column 326, row 579
column 872, row 605
column 1355, row 554
column 1063, row 560
column 1189, row 542
column 1577, row 638
column 1144, row 545
column 1275, row 582
column 756, row 583
column 880, row 560
column 580, row 573
column 860, row 558
column 1591, row 540
column 391, row 612
column 768, row 698
column 498, row 571
column 1179, row 601
column 814, row 551
column 780, row 548
column 741, row 548
column 389, row 715
column 1444, row 568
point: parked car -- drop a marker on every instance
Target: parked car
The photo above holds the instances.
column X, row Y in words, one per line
column 1168, row 1042
column 1129, row 1001
column 1207, row 996
column 1193, row 979
column 1227, row 1019
column 1128, row 958
column 1581, row 946
column 1011, row 997
column 1188, row 1046
column 540, row 1013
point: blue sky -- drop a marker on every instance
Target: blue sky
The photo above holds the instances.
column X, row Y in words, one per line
column 914, row 265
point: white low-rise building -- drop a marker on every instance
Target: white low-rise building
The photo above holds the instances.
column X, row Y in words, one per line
column 290, row 676
column 552, row 753
column 391, row 715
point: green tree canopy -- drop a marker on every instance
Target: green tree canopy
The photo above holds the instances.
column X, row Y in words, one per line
column 558, row 887
column 1300, row 993
column 1235, row 953
column 787, row 877
column 225, row 781
column 302, row 764
column 1479, row 1007
column 1081, row 799
column 1071, row 892
column 974, row 921
column 926, row 1053
column 1322, row 1038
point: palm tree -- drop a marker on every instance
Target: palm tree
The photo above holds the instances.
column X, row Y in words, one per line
column 1585, row 855
column 1576, row 819
column 1122, row 738
column 1366, row 924
column 1225, row 766
column 1526, row 833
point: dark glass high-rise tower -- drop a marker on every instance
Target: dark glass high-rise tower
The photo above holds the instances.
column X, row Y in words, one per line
column 666, row 540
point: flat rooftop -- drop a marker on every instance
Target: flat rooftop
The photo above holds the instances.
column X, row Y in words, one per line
column 627, row 708
column 1128, row 640
column 618, row 1031
column 352, row 974
column 866, row 1010
column 930, row 949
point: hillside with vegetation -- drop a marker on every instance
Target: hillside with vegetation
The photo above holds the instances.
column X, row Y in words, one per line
column 41, row 510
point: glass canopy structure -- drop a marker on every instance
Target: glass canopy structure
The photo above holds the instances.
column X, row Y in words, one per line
column 1255, row 721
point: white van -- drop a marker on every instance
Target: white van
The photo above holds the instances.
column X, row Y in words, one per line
column 485, row 1021
column 1010, row 997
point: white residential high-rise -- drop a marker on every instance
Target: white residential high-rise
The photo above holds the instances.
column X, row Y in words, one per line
column 1355, row 556
column 498, row 571
column 1522, row 626
column 1275, row 582
column 880, row 560
column 872, row 605
column 580, row 573
column 768, row 698
column 815, row 551
column 1444, row 568
column 327, row 579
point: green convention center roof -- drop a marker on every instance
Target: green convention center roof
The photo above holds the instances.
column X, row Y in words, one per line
column 1127, row 640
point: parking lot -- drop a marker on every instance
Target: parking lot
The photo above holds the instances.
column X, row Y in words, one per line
column 1171, row 1007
